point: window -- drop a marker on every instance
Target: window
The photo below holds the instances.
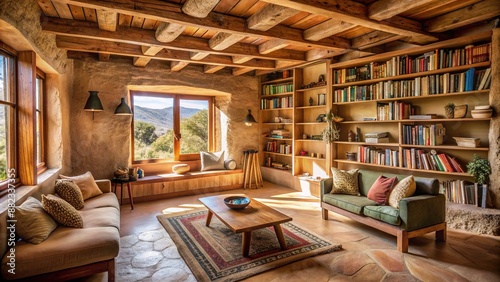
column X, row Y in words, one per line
column 171, row 127
column 7, row 116
column 40, row 149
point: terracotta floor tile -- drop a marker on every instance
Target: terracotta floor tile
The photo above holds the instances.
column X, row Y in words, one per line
column 391, row 260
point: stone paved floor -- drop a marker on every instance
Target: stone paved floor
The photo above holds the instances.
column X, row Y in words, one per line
column 367, row 255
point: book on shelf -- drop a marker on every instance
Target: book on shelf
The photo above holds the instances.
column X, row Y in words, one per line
column 423, row 116
column 374, row 155
column 484, row 79
column 415, row 158
column 461, row 192
column 276, row 103
column 394, row 110
column 426, row 135
column 272, row 89
column 376, row 134
column 377, row 140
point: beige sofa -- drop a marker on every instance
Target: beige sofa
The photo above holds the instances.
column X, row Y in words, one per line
column 70, row 253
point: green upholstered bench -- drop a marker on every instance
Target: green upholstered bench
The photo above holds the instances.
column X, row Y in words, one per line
column 417, row 215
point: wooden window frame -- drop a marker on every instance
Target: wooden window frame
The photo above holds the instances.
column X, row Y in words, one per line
column 11, row 145
column 42, row 165
column 176, row 115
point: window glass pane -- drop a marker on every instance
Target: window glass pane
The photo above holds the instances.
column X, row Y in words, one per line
column 5, row 73
column 153, row 128
column 194, row 126
column 3, row 141
column 39, row 120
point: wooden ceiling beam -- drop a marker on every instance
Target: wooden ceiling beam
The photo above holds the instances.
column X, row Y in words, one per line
column 212, row 69
column 270, row 16
column 147, row 37
column 170, row 12
column 474, row 13
column 198, row 55
column 168, row 32
column 385, row 9
column 356, row 13
column 131, row 50
column 107, row 20
column 241, row 59
column 374, row 38
column 148, row 51
column 223, row 40
column 177, row 66
column 240, row 71
column 325, row 29
column 272, row 45
column 199, row 8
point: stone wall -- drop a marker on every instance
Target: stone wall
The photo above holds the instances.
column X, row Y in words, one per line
column 102, row 144
column 494, row 135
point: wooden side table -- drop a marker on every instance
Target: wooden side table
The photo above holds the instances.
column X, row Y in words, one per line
column 117, row 181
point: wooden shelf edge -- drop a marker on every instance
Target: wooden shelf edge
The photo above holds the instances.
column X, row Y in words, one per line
column 416, row 120
column 276, row 109
column 276, row 95
column 310, row 158
column 311, row 88
column 277, row 154
column 451, row 43
column 310, row 107
column 368, row 144
column 278, row 169
column 278, row 80
column 447, row 147
column 473, row 92
column 404, row 168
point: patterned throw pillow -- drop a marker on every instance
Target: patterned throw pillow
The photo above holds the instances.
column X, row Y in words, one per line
column 86, row 183
column 33, row 224
column 62, row 211
column 69, row 191
column 405, row 188
column 212, row 160
column 345, row 182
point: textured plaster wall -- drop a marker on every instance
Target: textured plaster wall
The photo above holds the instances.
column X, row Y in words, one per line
column 103, row 144
column 494, row 153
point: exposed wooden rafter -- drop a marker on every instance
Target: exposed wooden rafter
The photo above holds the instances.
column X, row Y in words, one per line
column 199, row 8
column 325, row 29
column 385, row 9
column 212, row 69
column 177, row 66
column 270, row 16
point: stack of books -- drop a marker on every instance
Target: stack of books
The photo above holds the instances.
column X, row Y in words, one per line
column 377, row 137
column 280, row 133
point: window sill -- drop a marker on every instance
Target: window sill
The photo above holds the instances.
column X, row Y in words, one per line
column 23, row 192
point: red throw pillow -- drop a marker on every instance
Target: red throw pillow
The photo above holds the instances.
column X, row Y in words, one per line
column 381, row 188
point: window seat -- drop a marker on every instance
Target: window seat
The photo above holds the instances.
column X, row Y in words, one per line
column 168, row 185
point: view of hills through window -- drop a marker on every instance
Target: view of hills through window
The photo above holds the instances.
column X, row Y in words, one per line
column 154, row 127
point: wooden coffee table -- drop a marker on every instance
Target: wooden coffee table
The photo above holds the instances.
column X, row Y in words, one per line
column 254, row 216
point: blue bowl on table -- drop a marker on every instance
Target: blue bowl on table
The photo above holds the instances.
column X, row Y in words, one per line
column 237, row 202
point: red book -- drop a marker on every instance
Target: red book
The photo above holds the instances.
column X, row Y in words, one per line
column 456, row 165
column 445, row 162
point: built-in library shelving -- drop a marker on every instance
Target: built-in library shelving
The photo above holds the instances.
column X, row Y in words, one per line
column 380, row 92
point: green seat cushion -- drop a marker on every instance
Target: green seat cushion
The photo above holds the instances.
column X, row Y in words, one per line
column 384, row 213
column 350, row 203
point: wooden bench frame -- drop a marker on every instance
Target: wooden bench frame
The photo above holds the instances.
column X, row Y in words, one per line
column 402, row 235
column 76, row 272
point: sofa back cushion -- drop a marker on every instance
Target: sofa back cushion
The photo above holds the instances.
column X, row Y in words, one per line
column 425, row 185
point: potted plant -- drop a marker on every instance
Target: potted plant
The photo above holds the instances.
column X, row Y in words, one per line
column 481, row 170
column 331, row 132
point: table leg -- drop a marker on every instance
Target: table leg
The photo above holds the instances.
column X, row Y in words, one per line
column 130, row 196
column 114, row 187
column 281, row 237
column 245, row 245
column 121, row 194
column 209, row 218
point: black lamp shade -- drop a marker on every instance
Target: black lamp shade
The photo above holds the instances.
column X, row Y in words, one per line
column 123, row 108
column 249, row 120
column 93, row 102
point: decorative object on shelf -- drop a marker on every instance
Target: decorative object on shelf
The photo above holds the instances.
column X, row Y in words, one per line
column 181, row 168
column 305, row 136
column 481, row 113
column 303, row 153
column 140, row 172
column 449, row 110
column 237, row 202
column 358, row 134
column 331, row 132
column 249, row 119
column 320, row 156
column 337, row 119
column 467, row 142
column 93, row 103
column 352, row 156
column 123, row 109
column 321, row 80
column 121, row 173
column 482, row 107
column 311, row 101
column 321, row 99
column 350, row 135
column 321, row 118
column 460, row 111
column 317, row 137
column 312, row 155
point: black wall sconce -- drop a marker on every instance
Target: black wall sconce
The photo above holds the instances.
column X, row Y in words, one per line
column 123, row 109
column 249, row 120
column 93, row 103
